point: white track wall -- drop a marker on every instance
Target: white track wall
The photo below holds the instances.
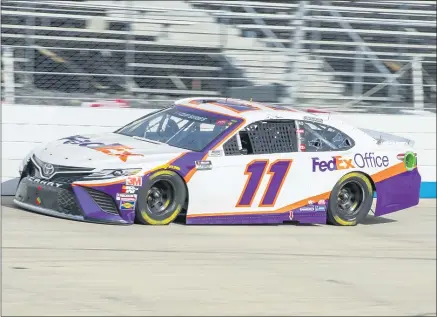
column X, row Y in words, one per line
column 24, row 127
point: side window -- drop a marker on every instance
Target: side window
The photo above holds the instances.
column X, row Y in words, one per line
column 318, row 137
column 263, row 137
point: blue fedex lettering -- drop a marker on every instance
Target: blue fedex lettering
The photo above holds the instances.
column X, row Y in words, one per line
column 361, row 161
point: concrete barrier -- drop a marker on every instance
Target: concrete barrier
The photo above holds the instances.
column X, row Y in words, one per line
column 25, row 126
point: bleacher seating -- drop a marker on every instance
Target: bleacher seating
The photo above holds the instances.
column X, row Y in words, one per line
column 174, row 49
column 394, row 31
column 68, row 51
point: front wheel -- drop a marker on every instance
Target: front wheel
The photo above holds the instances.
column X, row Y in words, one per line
column 161, row 198
column 351, row 200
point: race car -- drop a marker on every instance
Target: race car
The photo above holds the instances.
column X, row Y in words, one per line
column 222, row 161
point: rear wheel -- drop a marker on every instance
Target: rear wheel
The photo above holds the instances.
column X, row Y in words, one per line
column 161, row 198
column 351, row 200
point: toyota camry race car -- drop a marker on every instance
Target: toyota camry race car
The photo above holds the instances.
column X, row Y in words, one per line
column 222, row 161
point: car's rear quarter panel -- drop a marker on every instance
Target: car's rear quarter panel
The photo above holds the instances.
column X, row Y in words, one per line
column 214, row 194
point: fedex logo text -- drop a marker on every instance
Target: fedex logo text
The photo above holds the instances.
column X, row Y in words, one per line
column 366, row 160
column 337, row 163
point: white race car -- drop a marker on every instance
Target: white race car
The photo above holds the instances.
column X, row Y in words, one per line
column 222, row 161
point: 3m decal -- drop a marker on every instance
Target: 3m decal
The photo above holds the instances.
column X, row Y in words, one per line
column 255, row 171
column 134, row 181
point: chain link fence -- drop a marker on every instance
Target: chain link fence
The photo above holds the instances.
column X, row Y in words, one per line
column 368, row 55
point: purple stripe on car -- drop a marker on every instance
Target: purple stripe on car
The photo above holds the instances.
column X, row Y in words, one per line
column 92, row 211
column 235, row 219
column 398, row 192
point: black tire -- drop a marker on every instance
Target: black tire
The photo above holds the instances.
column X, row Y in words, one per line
column 358, row 186
column 167, row 207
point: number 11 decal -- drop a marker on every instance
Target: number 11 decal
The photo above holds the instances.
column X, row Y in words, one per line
column 255, row 171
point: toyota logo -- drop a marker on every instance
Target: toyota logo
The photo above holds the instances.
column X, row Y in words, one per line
column 48, row 169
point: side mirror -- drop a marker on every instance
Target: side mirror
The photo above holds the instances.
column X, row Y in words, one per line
column 243, row 151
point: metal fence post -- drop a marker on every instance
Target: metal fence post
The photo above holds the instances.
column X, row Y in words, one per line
column 294, row 51
column 8, row 75
column 417, row 82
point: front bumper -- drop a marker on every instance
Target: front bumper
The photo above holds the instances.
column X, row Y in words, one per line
column 70, row 202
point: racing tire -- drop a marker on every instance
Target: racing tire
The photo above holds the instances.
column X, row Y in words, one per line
column 160, row 199
column 350, row 200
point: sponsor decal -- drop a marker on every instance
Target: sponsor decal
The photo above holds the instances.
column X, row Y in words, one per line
column 215, row 153
column 203, row 165
column 43, row 182
column 174, row 167
column 114, row 149
column 310, row 202
column 127, row 203
column 318, row 120
column 221, row 122
column 302, row 147
column 121, row 196
column 190, row 116
column 367, row 160
column 38, row 201
column 307, row 208
column 134, row 181
column 291, row 215
column 125, row 189
column 320, row 208
column 322, row 202
column 300, row 131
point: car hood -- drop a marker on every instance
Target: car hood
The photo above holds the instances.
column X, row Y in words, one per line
column 108, row 150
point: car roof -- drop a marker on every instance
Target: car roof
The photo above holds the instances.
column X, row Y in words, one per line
column 248, row 110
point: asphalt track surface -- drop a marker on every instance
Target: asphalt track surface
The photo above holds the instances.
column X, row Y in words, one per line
column 386, row 266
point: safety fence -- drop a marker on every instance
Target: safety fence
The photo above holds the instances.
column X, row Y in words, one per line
column 371, row 55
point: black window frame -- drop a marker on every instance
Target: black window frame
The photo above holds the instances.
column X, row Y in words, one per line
column 299, row 136
column 234, row 146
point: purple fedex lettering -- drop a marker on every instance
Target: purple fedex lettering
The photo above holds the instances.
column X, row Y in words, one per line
column 85, row 141
column 337, row 163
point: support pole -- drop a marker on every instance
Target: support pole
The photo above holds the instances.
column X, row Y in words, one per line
column 418, row 83
column 294, row 52
column 8, row 75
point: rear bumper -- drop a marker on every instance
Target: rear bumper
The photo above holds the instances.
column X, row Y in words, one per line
column 74, row 203
column 398, row 192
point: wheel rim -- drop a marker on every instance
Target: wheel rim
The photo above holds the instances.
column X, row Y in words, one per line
column 159, row 197
column 350, row 198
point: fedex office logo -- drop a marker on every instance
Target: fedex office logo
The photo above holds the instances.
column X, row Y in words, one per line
column 366, row 160
column 337, row 163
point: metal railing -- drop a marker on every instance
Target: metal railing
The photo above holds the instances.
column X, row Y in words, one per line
column 372, row 55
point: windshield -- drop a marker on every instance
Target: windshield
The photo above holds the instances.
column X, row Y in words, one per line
column 180, row 127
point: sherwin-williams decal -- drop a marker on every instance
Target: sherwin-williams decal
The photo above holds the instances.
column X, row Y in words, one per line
column 127, row 203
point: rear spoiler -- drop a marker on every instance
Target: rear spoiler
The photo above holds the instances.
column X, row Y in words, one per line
column 384, row 137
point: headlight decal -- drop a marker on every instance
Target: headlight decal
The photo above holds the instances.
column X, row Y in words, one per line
column 113, row 173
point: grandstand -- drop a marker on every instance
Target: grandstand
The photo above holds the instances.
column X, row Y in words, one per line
column 342, row 53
